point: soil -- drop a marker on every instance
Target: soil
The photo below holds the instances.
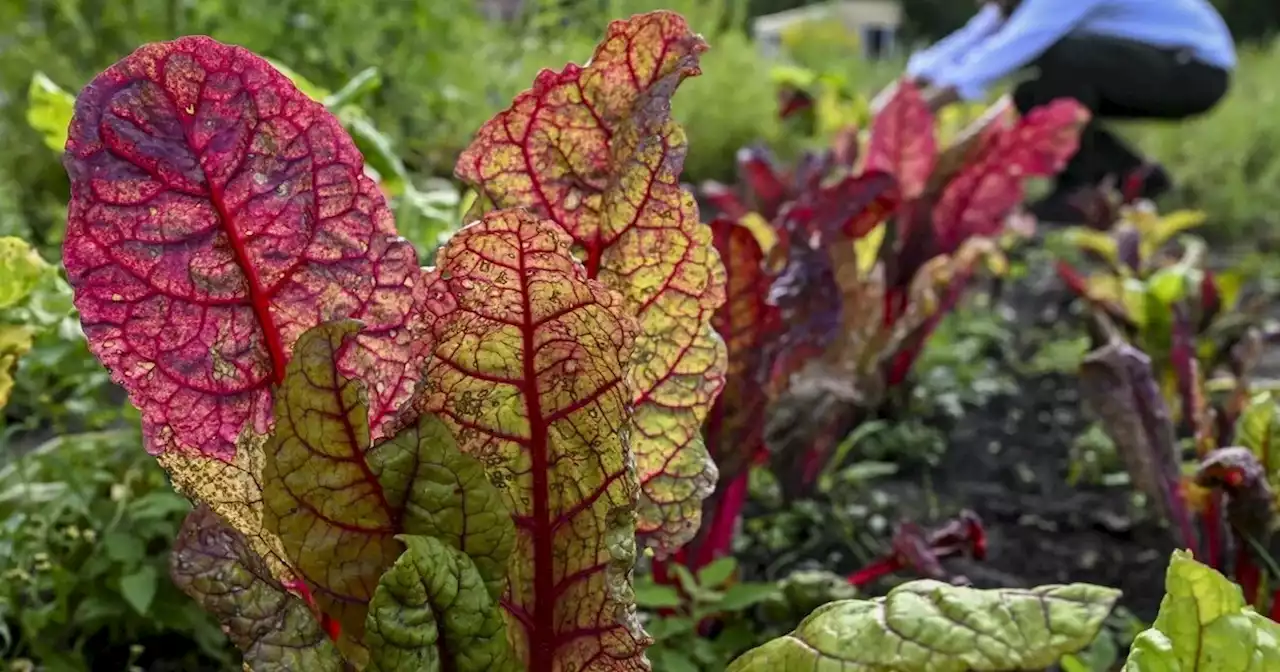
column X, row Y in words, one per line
column 1008, row 460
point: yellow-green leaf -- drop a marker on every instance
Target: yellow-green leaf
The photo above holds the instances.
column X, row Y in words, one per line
column 49, row 110
column 337, row 503
column 930, row 625
column 1156, row 231
column 528, row 372
column 15, row 341
column 1258, row 429
column 1098, row 242
column 1204, row 626
column 595, row 149
column 21, row 269
column 432, row 611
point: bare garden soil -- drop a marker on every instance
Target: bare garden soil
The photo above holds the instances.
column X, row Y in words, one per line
column 1008, row 459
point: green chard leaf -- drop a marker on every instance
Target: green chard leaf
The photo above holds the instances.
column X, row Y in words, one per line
column 1204, row 624
column 276, row 632
column 1258, row 429
column 434, row 602
column 338, row 503
column 930, row 625
column 447, row 495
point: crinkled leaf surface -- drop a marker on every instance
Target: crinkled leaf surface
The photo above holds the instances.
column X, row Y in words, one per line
column 1204, row 625
column 595, row 150
column 337, row 503
column 976, row 201
column 21, row 269
column 930, row 625
column 49, row 110
column 529, row 373
column 902, row 141
column 432, row 612
column 275, row 631
column 447, row 495
column 217, row 213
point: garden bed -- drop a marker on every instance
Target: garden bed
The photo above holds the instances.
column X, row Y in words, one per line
column 1009, row 459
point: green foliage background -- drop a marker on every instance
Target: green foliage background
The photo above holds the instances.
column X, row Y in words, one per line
column 444, row 69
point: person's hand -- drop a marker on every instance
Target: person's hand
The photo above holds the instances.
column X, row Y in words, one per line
column 939, row 97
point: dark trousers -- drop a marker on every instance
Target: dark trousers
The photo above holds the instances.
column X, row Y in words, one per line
column 1118, row 79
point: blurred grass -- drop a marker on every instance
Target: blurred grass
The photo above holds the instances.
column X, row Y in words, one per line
column 1227, row 163
column 445, row 69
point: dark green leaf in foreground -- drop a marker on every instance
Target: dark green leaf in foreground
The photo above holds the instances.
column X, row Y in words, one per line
column 338, row 503
column 929, row 625
column 432, row 611
column 1204, row 626
column 447, row 495
column 276, row 632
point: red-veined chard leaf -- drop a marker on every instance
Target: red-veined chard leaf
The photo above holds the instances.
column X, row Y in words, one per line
column 976, row 201
column 903, row 142
column 747, row 323
column 595, row 150
column 530, row 372
column 431, row 612
column 275, row 631
column 734, row 430
column 217, row 213
column 930, row 625
column 337, row 500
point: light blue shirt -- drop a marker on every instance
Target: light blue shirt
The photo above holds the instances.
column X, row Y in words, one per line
column 989, row 48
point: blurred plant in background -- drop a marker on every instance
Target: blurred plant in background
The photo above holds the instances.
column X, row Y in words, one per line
column 85, row 526
column 86, row 515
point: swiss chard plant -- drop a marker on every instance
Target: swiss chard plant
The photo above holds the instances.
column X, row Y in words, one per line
column 405, row 468
column 875, row 246
column 594, row 149
column 1220, row 500
column 819, row 303
column 397, row 467
column 1170, row 380
column 1147, row 280
column 1204, row 623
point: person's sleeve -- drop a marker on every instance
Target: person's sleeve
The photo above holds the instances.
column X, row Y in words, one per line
column 1034, row 27
column 927, row 63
